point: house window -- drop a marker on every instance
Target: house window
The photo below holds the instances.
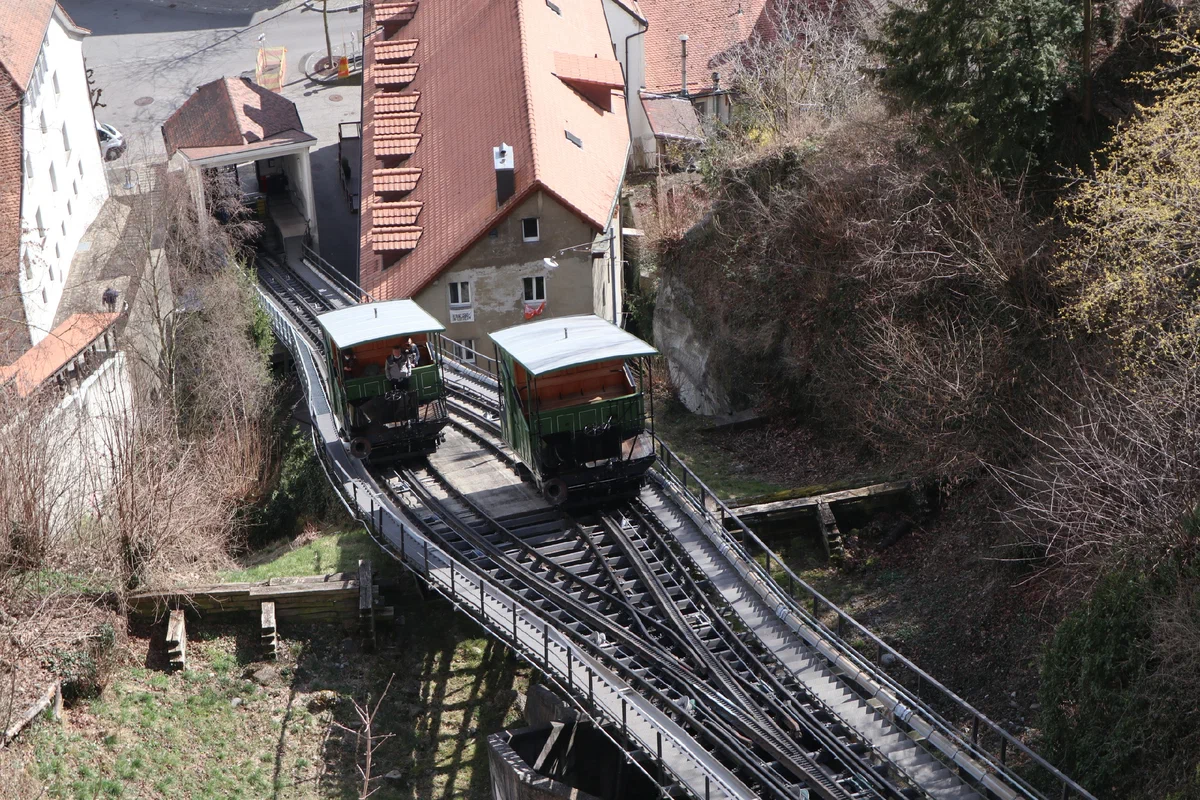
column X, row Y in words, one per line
column 81, row 167
column 42, row 119
column 529, row 229
column 54, row 80
column 573, row 139
column 51, row 268
column 63, row 225
column 45, row 297
column 70, row 211
column 28, row 267
column 75, row 187
column 464, row 351
column 53, row 178
column 41, row 226
column 460, row 293
column 553, row 7
column 28, row 167
column 535, row 289
column 58, row 250
column 66, row 138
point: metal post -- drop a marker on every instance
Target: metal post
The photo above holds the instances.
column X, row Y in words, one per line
column 660, row 763
column 624, row 706
column 612, row 260
column 482, row 599
column 514, row 623
column 975, row 730
column 403, row 539
column 591, row 700
column 381, row 518
column 546, row 645
column 452, row 592
column 570, row 677
column 354, row 490
column 706, row 791
column 426, row 559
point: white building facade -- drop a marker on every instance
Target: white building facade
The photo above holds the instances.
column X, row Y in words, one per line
column 64, row 184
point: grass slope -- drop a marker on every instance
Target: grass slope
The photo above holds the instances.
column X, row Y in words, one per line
column 154, row 735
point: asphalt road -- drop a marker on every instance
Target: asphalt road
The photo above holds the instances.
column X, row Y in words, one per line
column 148, row 56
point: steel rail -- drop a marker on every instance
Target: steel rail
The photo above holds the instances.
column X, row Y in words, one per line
column 965, row 752
column 677, row 753
column 723, row 710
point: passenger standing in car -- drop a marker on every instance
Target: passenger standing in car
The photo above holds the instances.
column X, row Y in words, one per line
column 398, row 368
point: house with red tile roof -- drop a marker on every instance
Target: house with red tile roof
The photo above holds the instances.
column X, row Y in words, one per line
column 236, row 125
column 494, row 145
column 52, row 181
column 674, row 61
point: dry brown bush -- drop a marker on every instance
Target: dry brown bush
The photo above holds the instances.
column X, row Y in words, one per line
column 1115, row 477
column 879, row 284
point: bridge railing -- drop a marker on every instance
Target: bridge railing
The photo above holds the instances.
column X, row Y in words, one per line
column 574, row 672
column 986, row 740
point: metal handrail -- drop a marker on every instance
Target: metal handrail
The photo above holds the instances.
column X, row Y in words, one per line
column 487, row 374
column 432, row 557
column 329, row 272
column 667, row 458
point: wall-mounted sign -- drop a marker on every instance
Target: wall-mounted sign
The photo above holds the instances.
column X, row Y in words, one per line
column 462, row 314
column 534, row 308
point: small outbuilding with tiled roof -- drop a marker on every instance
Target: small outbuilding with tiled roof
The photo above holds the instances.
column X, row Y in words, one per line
column 236, row 125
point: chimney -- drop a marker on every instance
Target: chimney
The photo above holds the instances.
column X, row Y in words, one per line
column 683, row 61
column 506, row 185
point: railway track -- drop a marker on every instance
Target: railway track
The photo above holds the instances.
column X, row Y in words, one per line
column 801, row 680
column 646, row 592
column 299, row 299
column 579, row 573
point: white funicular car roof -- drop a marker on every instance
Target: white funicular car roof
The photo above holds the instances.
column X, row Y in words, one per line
column 561, row 342
column 370, row 322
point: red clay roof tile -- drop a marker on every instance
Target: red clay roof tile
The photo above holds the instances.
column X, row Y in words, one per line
column 403, row 212
column 56, row 351
column 398, row 145
column 393, row 76
column 230, row 112
column 600, row 71
column 391, row 240
column 673, row 118
column 395, row 179
column 391, row 124
column 488, row 76
column 391, row 103
column 394, row 13
column 22, row 28
column 401, row 50
column 714, row 29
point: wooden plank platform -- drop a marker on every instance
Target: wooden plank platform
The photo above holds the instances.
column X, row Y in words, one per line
column 320, row 598
column 885, row 493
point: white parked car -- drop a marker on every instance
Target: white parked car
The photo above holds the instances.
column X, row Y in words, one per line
column 112, row 143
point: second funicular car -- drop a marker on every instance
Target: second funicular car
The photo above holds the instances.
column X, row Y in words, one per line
column 385, row 416
column 573, row 406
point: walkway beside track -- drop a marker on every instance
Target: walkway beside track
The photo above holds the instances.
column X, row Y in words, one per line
column 670, row 749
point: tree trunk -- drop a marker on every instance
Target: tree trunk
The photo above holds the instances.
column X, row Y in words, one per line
column 1086, row 59
column 328, row 43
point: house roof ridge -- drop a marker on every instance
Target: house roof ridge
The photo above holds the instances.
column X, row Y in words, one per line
column 527, row 87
